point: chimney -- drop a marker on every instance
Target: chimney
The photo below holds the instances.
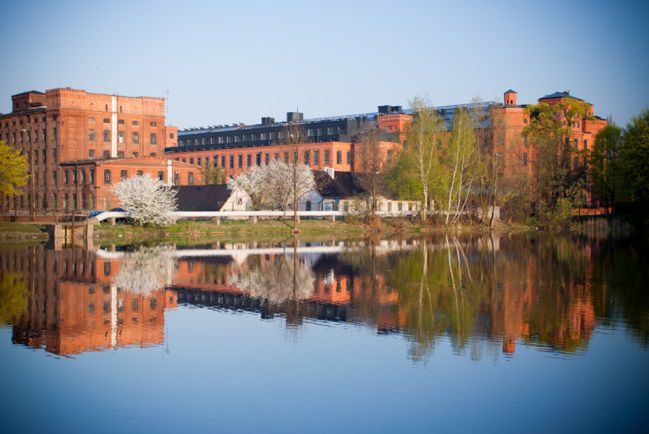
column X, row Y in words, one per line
column 267, row 121
column 294, row 117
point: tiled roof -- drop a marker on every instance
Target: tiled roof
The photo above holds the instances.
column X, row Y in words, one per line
column 201, row 197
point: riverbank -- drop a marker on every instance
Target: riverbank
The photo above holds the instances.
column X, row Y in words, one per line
column 198, row 232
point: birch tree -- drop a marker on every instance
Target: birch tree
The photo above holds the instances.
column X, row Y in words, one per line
column 148, row 201
column 462, row 162
column 417, row 173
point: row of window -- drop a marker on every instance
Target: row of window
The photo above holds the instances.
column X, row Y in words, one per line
column 308, row 157
column 26, row 136
column 135, row 137
column 91, row 120
column 26, row 120
column 239, row 138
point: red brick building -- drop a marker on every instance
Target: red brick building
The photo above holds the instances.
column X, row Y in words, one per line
column 72, row 137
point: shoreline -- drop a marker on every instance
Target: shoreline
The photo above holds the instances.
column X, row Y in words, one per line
column 198, row 232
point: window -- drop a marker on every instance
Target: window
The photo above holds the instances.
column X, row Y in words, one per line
column 91, row 153
column 176, row 178
column 135, row 154
column 91, row 120
column 191, row 160
column 154, row 139
column 190, row 178
column 267, row 158
column 154, row 124
column 161, row 175
column 248, row 160
column 585, row 144
column 350, row 157
column 135, row 123
column 231, row 161
column 123, row 175
column 120, row 137
column 307, row 157
column 524, row 158
column 240, row 161
column 139, row 173
column 136, row 137
column 286, row 157
column 106, row 120
column 106, row 136
column 120, row 122
column 316, row 158
column 107, row 176
column 339, row 157
column 171, row 135
column 106, row 154
column 222, row 160
column 120, row 154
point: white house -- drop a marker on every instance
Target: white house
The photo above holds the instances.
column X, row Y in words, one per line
column 342, row 191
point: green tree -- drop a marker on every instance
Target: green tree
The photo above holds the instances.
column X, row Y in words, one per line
column 635, row 158
column 213, row 175
column 604, row 163
column 13, row 170
column 558, row 181
column 417, row 173
column 13, row 298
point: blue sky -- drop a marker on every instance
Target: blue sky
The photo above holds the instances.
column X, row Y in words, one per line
column 224, row 62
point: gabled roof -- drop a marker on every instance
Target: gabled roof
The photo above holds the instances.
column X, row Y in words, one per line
column 344, row 185
column 201, row 197
column 564, row 94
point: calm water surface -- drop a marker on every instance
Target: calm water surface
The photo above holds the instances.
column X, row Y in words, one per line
column 502, row 334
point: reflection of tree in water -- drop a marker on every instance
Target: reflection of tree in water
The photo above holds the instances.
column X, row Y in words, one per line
column 13, row 297
column 146, row 269
column 277, row 279
column 538, row 290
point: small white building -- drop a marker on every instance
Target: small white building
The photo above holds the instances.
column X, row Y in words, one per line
column 342, row 191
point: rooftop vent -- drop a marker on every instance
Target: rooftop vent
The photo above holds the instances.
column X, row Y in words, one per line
column 294, row 117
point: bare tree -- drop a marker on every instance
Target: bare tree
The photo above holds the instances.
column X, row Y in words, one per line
column 373, row 163
column 148, row 201
column 300, row 176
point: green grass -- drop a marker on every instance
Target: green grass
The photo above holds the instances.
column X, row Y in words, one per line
column 13, row 232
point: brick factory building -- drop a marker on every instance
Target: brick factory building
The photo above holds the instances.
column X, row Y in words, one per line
column 334, row 142
column 80, row 143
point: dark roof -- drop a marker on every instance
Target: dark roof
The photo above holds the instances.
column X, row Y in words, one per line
column 29, row 91
column 510, row 91
column 344, row 185
column 564, row 94
column 201, row 197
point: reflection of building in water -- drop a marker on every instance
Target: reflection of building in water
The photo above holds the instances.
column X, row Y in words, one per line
column 74, row 307
column 535, row 297
column 512, row 301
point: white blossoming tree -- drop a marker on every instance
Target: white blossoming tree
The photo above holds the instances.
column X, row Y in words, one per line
column 253, row 182
column 288, row 183
column 149, row 201
column 146, row 269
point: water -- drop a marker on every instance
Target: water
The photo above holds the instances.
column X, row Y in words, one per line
column 489, row 334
